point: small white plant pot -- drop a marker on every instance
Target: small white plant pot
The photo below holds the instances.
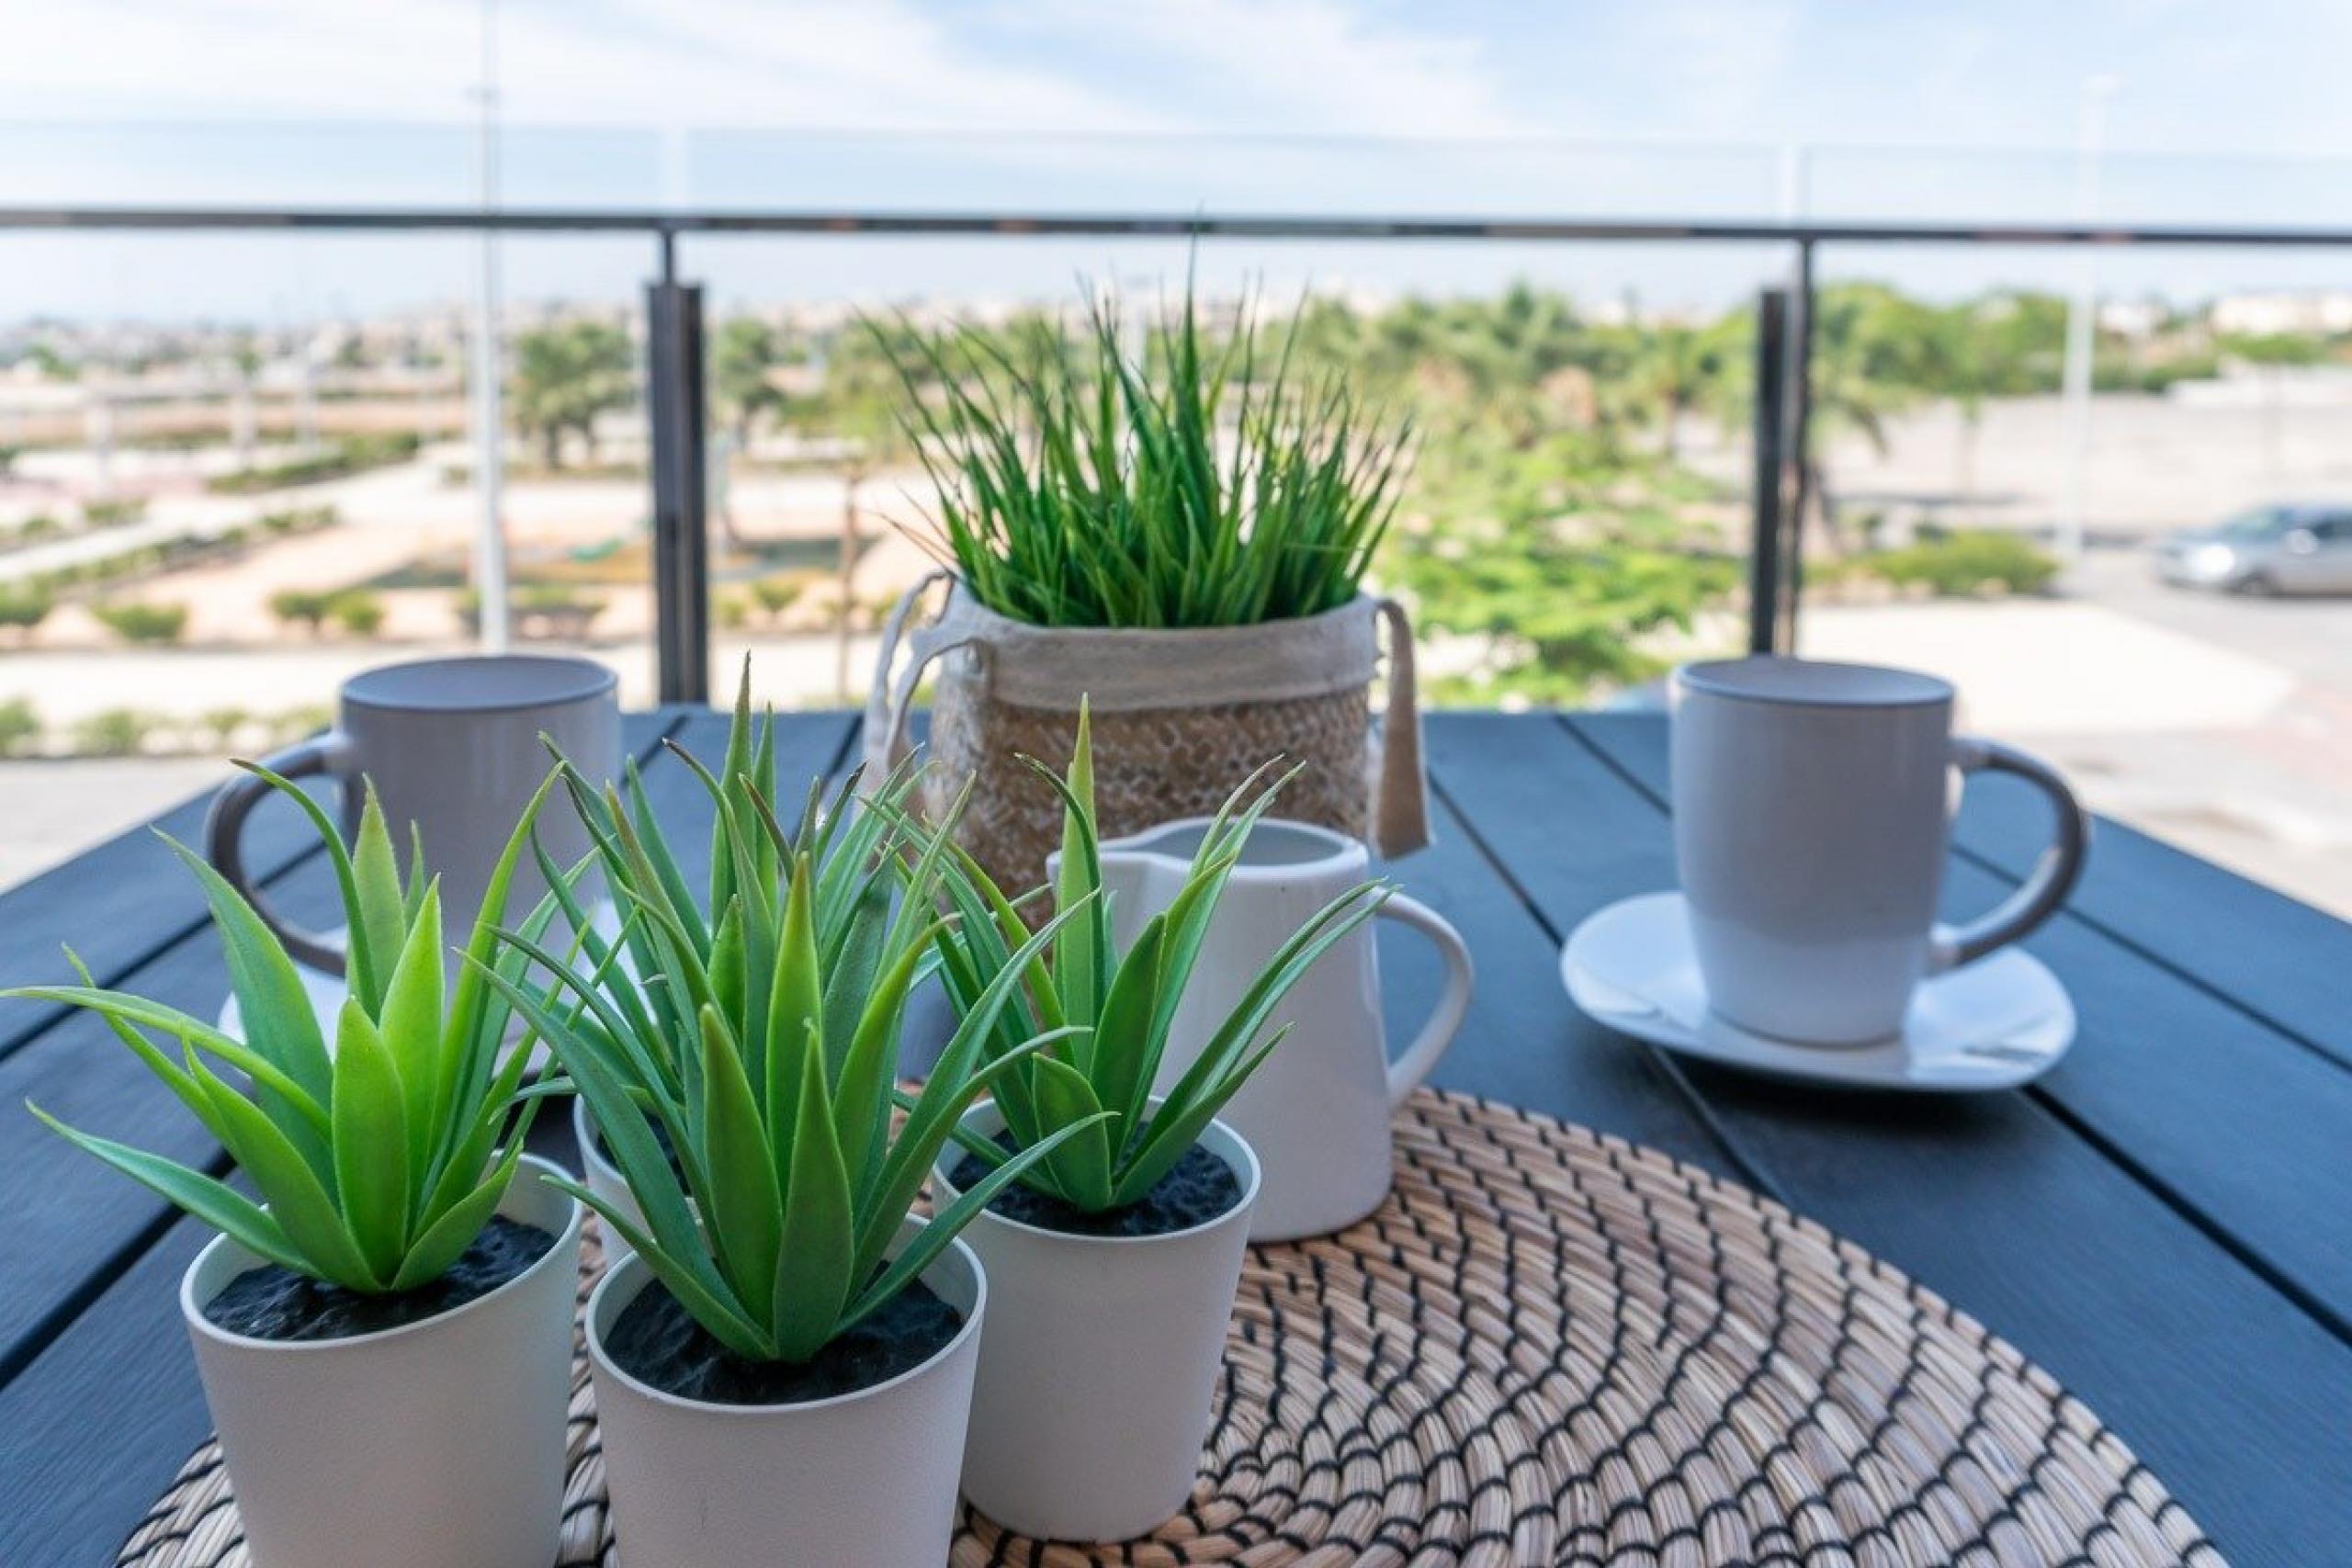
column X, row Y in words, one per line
column 1100, row 1361
column 865, row 1478
column 441, row 1442
column 604, row 1178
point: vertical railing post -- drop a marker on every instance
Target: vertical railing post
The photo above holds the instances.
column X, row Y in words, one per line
column 681, row 537
column 1796, row 446
column 1771, row 430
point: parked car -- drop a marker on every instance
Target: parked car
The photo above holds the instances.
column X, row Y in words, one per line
column 2302, row 548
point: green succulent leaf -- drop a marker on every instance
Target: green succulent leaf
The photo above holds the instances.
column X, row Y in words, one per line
column 943, row 1228
column 375, row 1163
column 298, row 1196
column 1125, row 1004
column 446, row 1238
column 371, row 1141
column 412, row 1032
column 213, row 1202
column 1082, row 1166
column 795, row 1020
column 377, row 936
column 745, row 1219
column 711, row 1307
column 813, row 1277
column 275, row 1009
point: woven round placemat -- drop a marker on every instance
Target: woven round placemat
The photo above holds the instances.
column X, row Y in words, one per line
column 1553, row 1346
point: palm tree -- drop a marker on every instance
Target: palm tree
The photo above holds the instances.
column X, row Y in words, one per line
column 565, row 377
column 744, row 356
column 858, row 403
column 1873, row 354
column 1678, row 367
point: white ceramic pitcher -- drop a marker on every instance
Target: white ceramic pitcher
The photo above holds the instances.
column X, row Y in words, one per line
column 1318, row 1110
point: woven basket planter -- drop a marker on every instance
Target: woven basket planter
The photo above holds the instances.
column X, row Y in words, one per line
column 1180, row 718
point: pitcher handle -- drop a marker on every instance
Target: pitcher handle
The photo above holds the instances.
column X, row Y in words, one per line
column 224, row 829
column 2053, row 877
column 1405, row 1073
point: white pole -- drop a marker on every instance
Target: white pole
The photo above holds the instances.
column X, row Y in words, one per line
column 490, row 542
column 2081, row 311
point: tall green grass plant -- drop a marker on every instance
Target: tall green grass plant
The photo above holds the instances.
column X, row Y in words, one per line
column 1200, row 482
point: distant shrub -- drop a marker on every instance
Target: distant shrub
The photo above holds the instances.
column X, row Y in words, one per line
column 222, row 726
column 22, row 609
column 19, row 726
column 539, row 609
column 350, row 455
column 112, row 513
column 298, row 519
column 777, row 595
column 32, row 530
column 1968, row 563
column 297, row 722
column 734, row 611
column 144, row 623
column 358, row 612
column 309, row 606
column 112, row 732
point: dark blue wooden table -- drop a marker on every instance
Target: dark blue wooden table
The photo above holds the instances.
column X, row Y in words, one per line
column 2164, row 1222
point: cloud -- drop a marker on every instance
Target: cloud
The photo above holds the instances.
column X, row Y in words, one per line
column 1308, row 65
column 874, row 64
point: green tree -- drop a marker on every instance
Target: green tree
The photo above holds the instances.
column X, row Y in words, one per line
column 744, row 357
column 745, row 354
column 1556, row 557
column 857, row 406
column 1678, row 369
column 567, row 375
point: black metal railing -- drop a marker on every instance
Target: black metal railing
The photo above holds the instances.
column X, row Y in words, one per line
column 673, row 312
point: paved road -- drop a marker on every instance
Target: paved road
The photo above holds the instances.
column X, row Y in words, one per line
column 2272, row 798
column 2310, row 637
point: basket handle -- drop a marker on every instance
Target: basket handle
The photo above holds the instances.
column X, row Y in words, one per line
column 887, row 704
column 1400, row 811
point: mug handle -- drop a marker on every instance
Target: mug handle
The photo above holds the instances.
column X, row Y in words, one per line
column 1405, row 1073
column 2053, row 877
column 225, row 828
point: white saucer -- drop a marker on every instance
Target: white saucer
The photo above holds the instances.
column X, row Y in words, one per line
column 1998, row 1022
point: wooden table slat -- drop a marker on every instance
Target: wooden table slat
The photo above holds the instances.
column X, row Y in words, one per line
column 2229, row 1390
column 110, row 904
column 2234, row 1123
column 2251, row 946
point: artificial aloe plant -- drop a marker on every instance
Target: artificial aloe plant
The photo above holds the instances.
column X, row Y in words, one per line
column 760, row 1034
column 379, row 1162
column 1085, row 1099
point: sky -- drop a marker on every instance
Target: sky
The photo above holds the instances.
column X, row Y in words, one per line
column 1925, row 108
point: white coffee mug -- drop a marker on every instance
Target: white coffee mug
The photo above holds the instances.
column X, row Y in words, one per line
column 1317, row 1111
column 1813, row 806
column 452, row 745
